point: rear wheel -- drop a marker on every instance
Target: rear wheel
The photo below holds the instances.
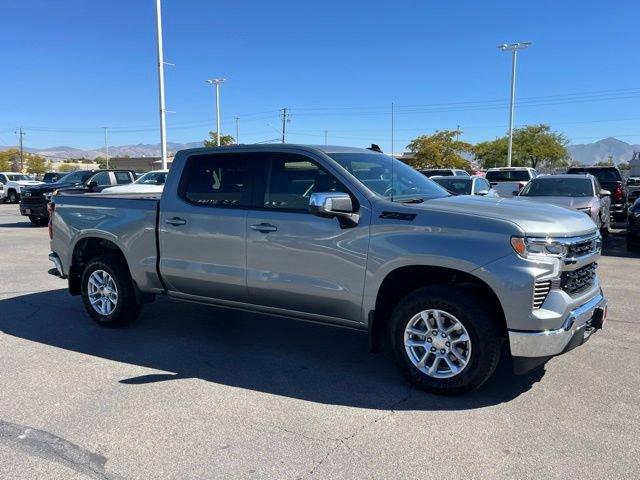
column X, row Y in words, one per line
column 108, row 292
column 445, row 340
column 39, row 221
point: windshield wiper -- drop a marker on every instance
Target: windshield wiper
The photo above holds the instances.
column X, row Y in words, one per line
column 412, row 200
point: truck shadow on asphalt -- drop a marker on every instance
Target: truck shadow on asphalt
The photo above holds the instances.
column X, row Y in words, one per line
column 263, row 353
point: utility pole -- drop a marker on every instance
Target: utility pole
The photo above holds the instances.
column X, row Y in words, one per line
column 457, row 133
column 163, row 112
column 21, row 133
column 237, row 130
column 217, row 82
column 325, row 137
column 513, row 48
column 284, row 124
column 106, row 145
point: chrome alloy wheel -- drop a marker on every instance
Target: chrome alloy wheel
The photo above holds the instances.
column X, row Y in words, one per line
column 103, row 293
column 437, row 343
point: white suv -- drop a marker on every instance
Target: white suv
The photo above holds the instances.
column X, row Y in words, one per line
column 13, row 183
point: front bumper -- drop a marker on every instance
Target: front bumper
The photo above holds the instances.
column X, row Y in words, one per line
column 33, row 210
column 577, row 327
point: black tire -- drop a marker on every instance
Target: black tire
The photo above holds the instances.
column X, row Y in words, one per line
column 477, row 319
column 127, row 308
column 12, row 196
column 39, row 221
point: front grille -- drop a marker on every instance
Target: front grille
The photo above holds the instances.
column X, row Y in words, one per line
column 584, row 247
column 579, row 279
column 540, row 292
column 32, row 200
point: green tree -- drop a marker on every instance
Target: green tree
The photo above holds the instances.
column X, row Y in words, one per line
column 10, row 160
column 440, row 150
column 492, row 153
column 101, row 161
column 624, row 166
column 533, row 146
column 224, row 140
column 605, row 163
column 36, row 164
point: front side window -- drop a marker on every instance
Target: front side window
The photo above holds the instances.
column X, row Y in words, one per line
column 407, row 184
column 291, row 180
column 215, row 180
column 558, row 187
column 482, row 185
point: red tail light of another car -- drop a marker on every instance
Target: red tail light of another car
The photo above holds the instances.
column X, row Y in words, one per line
column 618, row 193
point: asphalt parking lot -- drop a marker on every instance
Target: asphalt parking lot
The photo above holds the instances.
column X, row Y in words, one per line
column 192, row 392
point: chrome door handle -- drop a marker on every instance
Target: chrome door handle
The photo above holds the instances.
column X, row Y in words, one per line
column 175, row 221
column 264, row 227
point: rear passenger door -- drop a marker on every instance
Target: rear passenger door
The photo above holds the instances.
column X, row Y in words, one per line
column 202, row 229
column 296, row 261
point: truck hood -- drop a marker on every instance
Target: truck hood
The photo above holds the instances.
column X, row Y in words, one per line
column 535, row 219
column 568, row 202
column 41, row 188
column 27, row 183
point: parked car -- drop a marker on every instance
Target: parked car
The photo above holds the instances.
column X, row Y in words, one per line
column 150, row 182
column 315, row 233
column 52, row 177
column 35, row 199
column 466, row 185
column 581, row 192
column 508, row 181
column 444, row 172
column 1, row 192
column 633, row 227
column 633, row 189
column 611, row 179
column 14, row 183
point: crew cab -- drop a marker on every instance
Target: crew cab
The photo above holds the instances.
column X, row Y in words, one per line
column 347, row 237
column 508, row 181
column 35, row 199
column 13, row 183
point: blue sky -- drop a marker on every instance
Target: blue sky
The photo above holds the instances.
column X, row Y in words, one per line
column 71, row 67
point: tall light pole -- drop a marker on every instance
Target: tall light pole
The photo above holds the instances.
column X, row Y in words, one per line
column 106, row 145
column 217, row 82
column 237, row 130
column 513, row 48
column 163, row 112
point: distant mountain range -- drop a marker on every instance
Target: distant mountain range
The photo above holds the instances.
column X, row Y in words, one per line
column 586, row 153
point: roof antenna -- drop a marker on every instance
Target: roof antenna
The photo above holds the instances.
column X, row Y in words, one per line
column 375, row 148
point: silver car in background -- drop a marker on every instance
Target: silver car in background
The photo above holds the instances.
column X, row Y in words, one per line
column 579, row 191
column 475, row 185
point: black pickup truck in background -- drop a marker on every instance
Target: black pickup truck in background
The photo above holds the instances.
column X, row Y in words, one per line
column 610, row 179
column 34, row 200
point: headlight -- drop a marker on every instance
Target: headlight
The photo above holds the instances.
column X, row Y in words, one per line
column 529, row 247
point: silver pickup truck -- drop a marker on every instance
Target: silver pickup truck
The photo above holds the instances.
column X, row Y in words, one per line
column 347, row 237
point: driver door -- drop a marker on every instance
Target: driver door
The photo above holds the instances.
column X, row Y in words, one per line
column 297, row 261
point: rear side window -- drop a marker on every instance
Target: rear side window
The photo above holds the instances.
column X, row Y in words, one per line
column 122, row 178
column 292, row 179
column 102, row 179
column 215, row 180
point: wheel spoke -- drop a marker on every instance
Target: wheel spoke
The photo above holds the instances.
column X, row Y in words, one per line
column 411, row 343
column 462, row 338
column 452, row 366
column 415, row 331
column 423, row 360
column 439, row 320
column 459, row 357
column 434, row 366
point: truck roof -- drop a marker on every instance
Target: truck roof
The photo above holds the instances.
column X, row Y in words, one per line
column 281, row 146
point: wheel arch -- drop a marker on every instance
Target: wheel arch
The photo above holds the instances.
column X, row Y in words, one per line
column 405, row 279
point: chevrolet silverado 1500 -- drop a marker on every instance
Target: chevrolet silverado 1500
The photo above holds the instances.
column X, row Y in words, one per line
column 347, row 237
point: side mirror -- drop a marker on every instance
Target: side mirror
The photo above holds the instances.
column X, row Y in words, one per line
column 92, row 185
column 605, row 193
column 482, row 192
column 334, row 204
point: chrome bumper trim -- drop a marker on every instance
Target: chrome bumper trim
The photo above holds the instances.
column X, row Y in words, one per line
column 553, row 342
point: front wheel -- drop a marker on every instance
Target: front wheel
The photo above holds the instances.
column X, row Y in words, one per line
column 445, row 340
column 107, row 291
column 13, row 196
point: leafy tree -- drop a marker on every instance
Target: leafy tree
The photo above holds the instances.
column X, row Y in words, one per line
column 440, row 150
column 224, row 140
column 533, row 146
column 10, row 160
column 606, row 163
column 492, row 153
column 101, row 161
column 36, row 164
column 624, row 166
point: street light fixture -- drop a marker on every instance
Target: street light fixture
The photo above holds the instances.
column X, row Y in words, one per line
column 217, row 82
column 512, row 47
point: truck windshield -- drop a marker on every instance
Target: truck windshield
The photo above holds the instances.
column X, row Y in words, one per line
column 76, row 177
column 558, row 187
column 603, row 175
column 374, row 171
column 17, row 177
